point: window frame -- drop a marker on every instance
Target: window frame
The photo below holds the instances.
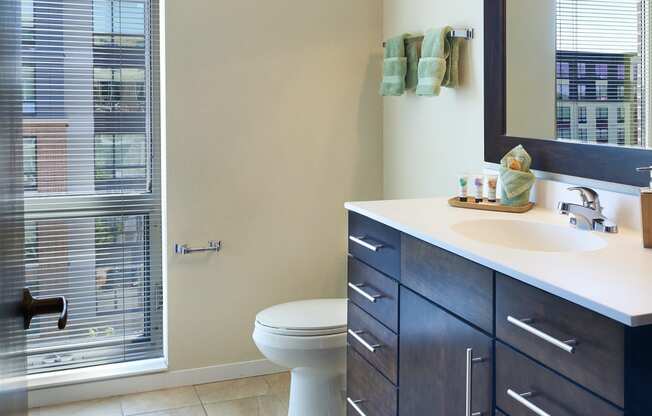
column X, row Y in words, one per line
column 150, row 202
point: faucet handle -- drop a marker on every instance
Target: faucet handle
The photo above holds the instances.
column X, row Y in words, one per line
column 590, row 198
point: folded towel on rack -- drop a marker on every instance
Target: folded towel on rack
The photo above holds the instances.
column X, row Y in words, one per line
column 394, row 67
column 435, row 52
column 452, row 77
column 413, row 52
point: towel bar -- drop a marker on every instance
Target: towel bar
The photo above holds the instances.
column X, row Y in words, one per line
column 455, row 33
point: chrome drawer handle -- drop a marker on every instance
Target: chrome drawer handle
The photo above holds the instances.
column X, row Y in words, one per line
column 568, row 346
column 360, row 241
column 369, row 297
column 523, row 399
column 354, row 404
column 357, row 337
column 469, row 381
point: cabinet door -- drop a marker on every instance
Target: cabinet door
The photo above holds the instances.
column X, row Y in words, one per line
column 445, row 364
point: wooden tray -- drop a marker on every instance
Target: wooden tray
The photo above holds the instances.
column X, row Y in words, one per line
column 489, row 206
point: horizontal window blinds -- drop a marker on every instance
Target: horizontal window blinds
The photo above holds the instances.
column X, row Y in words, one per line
column 91, row 179
column 602, row 49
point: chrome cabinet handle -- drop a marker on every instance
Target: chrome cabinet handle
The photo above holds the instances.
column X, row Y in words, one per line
column 360, row 241
column 568, row 346
column 357, row 337
column 469, row 381
column 369, row 297
column 354, row 404
column 523, row 399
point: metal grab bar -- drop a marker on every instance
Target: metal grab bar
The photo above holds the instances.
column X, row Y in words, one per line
column 183, row 249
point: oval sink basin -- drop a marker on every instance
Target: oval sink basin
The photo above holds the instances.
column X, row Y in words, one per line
column 530, row 236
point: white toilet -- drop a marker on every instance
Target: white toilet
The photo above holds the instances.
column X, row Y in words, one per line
column 309, row 337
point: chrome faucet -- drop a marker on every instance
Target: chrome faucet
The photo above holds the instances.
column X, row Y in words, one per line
column 588, row 216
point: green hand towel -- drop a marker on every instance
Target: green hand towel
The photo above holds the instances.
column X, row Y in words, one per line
column 452, row 77
column 413, row 52
column 516, row 177
column 432, row 66
column 394, row 67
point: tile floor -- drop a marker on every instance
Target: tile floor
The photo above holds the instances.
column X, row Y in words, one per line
column 256, row 396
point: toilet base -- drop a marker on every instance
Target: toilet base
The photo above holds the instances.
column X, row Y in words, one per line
column 317, row 393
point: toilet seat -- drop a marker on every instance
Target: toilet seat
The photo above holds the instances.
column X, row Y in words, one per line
column 308, row 318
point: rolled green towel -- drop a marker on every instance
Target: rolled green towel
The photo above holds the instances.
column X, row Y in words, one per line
column 516, row 177
column 394, row 67
column 432, row 65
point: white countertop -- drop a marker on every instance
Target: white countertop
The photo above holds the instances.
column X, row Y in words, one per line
column 615, row 281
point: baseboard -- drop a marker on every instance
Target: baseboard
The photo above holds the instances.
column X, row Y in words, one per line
column 150, row 382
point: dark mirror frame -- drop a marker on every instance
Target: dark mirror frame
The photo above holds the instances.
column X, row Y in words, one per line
column 599, row 162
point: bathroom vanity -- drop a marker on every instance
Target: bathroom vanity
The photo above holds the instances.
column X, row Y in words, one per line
column 460, row 312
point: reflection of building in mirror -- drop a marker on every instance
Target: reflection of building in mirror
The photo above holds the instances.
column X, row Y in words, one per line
column 598, row 98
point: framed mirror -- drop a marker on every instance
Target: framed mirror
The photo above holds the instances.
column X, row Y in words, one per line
column 570, row 81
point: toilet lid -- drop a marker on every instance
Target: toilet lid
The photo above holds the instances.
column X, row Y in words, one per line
column 307, row 317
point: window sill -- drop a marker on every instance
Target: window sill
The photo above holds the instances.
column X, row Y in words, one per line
column 98, row 373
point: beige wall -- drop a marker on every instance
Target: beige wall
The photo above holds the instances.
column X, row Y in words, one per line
column 428, row 141
column 274, row 121
column 531, row 47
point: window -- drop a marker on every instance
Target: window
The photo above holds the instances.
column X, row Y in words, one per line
column 601, row 71
column 29, row 89
column 621, row 135
column 563, row 70
column 563, row 89
column 29, row 163
column 621, row 72
column 602, row 135
column 581, row 115
column 602, row 90
column 609, row 44
column 119, row 89
column 621, row 92
column 582, row 134
column 563, row 114
column 621, row 115
column 91, row 169
column 602, row 124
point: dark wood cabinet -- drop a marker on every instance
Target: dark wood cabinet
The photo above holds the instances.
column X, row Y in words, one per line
column 457, row 284
column 597, row 360
column 435, row 350
column 521, row 382
column 383, row 304
column 376, row 244
column 429, row 313
column 376, row 343
column 367, row 389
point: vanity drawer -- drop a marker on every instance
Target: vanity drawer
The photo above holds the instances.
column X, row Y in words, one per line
column 374, row 292
column 376, row 244
column 461, row 286
column 518, row 375
column 368, row 389
column 373, row 341
column 596, row 360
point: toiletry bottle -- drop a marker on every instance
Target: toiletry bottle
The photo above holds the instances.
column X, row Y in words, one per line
column 463, row 183
column 492, row 185
column 478, row 186
column 646, row 210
